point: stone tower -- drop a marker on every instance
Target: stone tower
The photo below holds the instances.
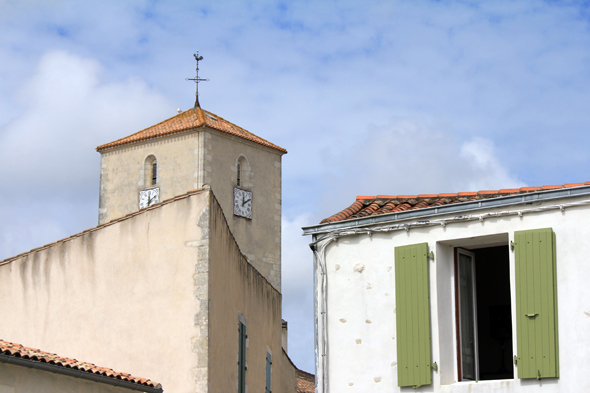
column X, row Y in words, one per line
column 188, row 151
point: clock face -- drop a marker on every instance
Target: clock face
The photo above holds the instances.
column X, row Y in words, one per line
column 242, row 203
column 149, row 197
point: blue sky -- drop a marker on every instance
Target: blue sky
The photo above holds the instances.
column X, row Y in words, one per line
column 378, row 97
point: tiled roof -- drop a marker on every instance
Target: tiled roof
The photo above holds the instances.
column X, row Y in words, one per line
column 191, row 118
column 18, row 351
column 96, row 228
column 365, row 206
column 305, row 382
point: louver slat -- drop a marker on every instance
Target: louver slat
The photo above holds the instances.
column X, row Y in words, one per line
column 412, row 315
column 536, row 304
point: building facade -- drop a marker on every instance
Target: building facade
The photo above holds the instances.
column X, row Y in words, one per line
column 180, row 281
column 469, row 292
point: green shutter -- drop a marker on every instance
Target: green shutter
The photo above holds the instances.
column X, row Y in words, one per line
column 242, row 358
column 268, row 372
column 413, row 315
column 536, row 304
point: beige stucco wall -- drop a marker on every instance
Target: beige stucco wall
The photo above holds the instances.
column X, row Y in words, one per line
column 190, row 160
column 18, row 379
column 288, row 374
column 131, row 296
column 236, row 287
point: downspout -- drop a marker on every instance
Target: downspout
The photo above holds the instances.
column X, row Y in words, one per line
column 321, row 309
column 72, row 372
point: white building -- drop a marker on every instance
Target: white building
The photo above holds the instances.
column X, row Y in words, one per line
column 468, row 292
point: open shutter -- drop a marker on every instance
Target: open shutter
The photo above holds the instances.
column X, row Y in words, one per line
column 412, row 301
column 536, row 304
column 242, row 358
column 268, row 372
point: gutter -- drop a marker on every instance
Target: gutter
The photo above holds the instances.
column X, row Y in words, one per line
column 463, row 207
column 72, row 372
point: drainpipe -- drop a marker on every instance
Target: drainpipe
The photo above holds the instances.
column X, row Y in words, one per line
column 321, row 310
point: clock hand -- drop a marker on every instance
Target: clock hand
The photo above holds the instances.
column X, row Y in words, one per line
column 246, row 201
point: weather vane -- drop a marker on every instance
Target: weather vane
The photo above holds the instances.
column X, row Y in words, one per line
column 197, row 79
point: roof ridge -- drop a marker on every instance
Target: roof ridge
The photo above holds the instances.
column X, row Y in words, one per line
column 8, row 348
column 109, row 223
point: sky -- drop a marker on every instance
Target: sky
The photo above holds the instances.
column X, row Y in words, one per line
column 375, row 97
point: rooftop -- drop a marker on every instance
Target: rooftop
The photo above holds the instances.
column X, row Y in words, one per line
column 18, row 351
column 305, row 382
column 366, row 206
column 189, row 119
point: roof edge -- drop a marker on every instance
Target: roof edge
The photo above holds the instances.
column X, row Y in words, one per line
column 508, row 200
column 106, row 224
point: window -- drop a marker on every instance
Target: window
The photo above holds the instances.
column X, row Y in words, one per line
column 242, row 169
column 239, row 170
column 484, row 308
column 483, row 314
column 150, row 171
column 242, row 366
column 268, row 372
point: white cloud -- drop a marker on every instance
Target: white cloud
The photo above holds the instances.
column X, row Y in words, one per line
column 69, row 111
column 411, row 157
column 50, row 170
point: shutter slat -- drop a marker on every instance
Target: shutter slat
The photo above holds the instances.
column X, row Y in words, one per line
column 413, row 315
column 536, row 295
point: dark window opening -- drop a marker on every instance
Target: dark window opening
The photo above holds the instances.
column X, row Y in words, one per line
column 484, row 319
column 239, row 174
column 154, row 172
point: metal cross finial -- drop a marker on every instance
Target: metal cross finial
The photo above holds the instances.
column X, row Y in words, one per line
column 197, row 79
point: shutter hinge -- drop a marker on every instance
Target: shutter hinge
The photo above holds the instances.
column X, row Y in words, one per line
column 430, row 255
column 434, row 366
column 515, row 359
column 512, row 244
column 538, row 374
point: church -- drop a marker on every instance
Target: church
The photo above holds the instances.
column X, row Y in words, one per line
column 179, row 283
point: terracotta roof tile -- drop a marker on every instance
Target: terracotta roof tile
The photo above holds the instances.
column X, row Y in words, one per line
column 305, row 382
column 365, row 206
column 17, row 350
column 190, row 119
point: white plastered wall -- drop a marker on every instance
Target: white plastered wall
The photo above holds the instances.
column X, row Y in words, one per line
column 361, row 303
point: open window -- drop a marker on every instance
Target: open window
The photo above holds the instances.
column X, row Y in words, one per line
column 483, row 313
